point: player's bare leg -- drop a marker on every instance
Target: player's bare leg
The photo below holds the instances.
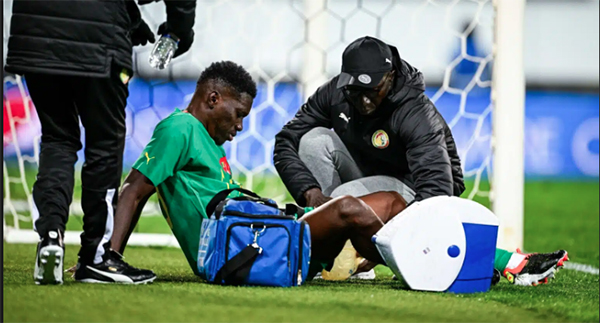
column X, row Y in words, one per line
column 386, row 205
column 357, row 219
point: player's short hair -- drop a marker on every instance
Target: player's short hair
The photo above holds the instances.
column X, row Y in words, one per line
column 231, row 75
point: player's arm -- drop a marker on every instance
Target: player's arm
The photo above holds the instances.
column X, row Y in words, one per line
column 134, row 194
column 314, row 113
column 166, row 153
column 421, row 129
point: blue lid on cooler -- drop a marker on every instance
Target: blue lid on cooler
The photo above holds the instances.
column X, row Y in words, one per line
column 478, row 267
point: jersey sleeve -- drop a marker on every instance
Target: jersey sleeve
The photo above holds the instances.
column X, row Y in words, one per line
column 166, row 152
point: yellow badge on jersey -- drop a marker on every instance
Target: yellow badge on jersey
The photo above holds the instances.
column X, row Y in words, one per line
column 380, row 139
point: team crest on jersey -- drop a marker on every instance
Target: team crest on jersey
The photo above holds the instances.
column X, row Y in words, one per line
column 380, row 139
column 225, row 165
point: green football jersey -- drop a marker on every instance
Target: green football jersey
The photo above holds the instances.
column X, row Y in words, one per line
column 187, row 168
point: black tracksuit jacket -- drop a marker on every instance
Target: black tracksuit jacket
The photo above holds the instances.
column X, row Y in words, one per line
column 421, row 150
column 80, row 38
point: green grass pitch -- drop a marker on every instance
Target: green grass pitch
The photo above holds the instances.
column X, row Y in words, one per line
column 558, row 215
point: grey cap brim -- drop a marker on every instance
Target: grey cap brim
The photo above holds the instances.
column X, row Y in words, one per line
column 366, row 80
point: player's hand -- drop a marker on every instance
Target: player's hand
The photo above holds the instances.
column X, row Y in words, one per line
column 142, row 35
column 185, row 40
column 315, row 198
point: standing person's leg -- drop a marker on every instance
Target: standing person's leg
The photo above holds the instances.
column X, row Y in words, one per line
column 371, row 184
column 101, row 103
column 53, row 188
column 328, row 159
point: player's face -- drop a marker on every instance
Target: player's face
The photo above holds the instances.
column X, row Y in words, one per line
column 228, row 116
column 366, row 101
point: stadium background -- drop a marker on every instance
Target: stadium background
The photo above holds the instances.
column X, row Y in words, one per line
column 291, row 50
column 561, row 121
column 299, row 47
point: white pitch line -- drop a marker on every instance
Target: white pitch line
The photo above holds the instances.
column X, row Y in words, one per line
column 582, row 268
column 151, row 208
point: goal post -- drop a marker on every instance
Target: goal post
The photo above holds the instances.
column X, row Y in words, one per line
column 313, row 74
column 508, row 98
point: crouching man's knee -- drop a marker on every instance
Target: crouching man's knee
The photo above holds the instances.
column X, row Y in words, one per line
column 318, row 141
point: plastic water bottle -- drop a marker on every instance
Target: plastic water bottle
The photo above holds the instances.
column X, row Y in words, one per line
column 345, row 264
column 163, row 52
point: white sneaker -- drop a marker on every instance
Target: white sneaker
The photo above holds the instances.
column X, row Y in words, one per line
column 49, row 260
column 367, row 275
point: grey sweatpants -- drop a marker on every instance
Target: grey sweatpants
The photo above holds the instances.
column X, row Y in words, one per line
column 328, row 159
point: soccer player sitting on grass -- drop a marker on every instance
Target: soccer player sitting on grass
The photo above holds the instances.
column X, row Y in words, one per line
column 186, row 166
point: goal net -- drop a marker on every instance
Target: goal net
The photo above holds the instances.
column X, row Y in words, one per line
column 290, row 48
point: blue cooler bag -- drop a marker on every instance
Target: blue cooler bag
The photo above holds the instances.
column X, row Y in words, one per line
column 248, row 240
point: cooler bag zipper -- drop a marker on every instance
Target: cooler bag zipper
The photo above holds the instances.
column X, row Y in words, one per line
column 258, row 216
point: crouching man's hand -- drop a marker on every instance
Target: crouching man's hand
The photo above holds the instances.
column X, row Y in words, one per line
column 315, row 198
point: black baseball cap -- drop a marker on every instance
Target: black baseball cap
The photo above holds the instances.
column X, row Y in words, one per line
column 364, row 63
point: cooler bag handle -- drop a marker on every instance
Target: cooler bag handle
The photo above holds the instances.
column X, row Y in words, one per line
column 236, row 270
column 214, row 202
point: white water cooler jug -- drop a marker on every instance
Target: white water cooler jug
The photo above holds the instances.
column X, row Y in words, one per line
column 441, row 244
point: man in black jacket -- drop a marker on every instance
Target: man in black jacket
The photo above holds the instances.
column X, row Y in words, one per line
column 388, row 136
column 76, row 59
